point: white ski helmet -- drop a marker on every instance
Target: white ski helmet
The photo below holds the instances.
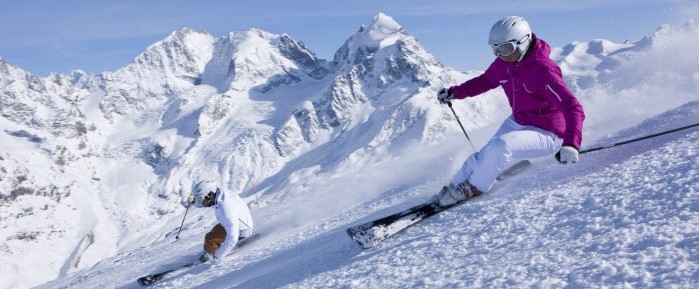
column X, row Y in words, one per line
column 508, row 34
column 204, row 190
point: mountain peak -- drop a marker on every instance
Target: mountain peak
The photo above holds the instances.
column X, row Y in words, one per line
column 382, row 26
column 382, row 32
column 251, row 36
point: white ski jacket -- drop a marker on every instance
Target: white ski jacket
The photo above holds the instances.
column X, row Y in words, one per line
column 234, row 215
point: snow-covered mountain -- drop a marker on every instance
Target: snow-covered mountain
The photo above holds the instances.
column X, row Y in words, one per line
column 95, row 168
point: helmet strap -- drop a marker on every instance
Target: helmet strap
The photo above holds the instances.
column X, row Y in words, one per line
column 525, row 47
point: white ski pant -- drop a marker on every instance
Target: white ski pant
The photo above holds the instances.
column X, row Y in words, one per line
column 512, row 141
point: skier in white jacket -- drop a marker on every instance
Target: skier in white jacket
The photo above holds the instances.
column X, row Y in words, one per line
column 233, row 215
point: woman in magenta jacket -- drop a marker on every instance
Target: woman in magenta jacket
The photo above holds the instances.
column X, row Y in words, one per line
column 546, row 117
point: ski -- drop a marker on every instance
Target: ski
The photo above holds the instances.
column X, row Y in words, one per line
column 151, row 279
column 371, row 233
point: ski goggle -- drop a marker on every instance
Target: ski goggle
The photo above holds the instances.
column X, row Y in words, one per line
column 508, row 47
column 504, row 49
column 198, row 200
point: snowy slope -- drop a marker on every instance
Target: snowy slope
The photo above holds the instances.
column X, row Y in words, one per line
column 328, row 144
column 620, row 219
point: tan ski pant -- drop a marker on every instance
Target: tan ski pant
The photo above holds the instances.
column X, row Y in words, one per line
column 215, row 238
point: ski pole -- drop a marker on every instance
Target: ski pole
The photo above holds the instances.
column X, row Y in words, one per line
column 185, row 216
column 638, row 139
column 462, row 126
column 631, row 140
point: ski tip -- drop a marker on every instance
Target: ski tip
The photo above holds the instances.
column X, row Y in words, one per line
column 363, row 238
column 146, row 281
column 349, row 232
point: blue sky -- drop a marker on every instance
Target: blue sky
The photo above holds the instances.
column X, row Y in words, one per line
column 59, row 36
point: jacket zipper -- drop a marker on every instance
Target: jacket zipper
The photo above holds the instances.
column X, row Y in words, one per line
column 514, row 99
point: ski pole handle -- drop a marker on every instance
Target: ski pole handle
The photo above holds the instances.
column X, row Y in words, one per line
column 185, row 216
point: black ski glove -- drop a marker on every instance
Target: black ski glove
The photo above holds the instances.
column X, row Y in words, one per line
column 445, row 96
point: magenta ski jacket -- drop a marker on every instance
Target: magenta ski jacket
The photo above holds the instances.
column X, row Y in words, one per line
column 536, row 92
